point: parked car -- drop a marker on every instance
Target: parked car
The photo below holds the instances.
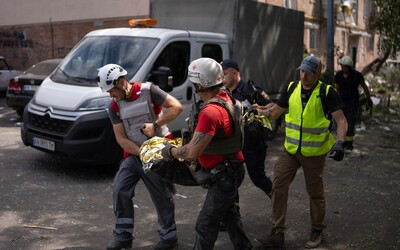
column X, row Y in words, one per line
column 6, row 73
column 22, row 87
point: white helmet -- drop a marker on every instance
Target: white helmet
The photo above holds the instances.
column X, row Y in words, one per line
column 206, row 71
column 107, row 76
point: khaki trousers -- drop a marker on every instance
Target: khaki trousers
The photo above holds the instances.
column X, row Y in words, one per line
column 284, row 173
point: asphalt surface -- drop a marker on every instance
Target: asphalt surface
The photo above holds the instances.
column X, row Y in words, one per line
column 48, row 202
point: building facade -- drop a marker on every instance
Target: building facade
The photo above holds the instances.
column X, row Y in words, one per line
column 351, row 36
column 31, row 31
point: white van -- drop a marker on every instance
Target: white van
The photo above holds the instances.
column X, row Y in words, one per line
column 67, row 115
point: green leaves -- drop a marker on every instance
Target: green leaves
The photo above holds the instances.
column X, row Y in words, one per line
column 385, row 20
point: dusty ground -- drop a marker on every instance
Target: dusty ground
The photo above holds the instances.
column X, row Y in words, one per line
column 74, row 200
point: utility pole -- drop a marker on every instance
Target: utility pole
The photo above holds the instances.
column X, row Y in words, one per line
column 52, row 38
column 329, row 37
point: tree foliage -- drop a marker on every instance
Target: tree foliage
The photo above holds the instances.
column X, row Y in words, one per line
column 385, row 19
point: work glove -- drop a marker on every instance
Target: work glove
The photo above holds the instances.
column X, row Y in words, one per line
column 166, row 152
column 337, row 152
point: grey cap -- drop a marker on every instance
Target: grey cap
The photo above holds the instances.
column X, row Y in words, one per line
column 309, row 64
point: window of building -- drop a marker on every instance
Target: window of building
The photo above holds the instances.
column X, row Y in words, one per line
column 312, row 39
column 355, row 11
column 367, row 8
column 369, row 43
column 343, row 40
column 290, row 4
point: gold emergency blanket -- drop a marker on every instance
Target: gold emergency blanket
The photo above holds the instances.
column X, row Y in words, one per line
column 151, row 149
column 174, row 171
column 250, row 117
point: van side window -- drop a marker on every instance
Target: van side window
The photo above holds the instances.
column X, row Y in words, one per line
column 175, row 56
column 213, row 51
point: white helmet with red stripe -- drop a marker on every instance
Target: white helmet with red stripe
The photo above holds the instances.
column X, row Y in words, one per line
column 206, row 71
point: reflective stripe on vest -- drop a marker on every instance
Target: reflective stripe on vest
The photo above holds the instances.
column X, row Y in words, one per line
column 135, row 113
column 308, row 128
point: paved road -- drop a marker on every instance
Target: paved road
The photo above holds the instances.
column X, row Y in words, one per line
column 72, row 202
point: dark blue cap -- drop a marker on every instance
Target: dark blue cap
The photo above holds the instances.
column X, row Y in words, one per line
column 230, row 63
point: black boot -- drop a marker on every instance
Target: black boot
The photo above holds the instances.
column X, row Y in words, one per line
column 119, row 245
column 166, row 244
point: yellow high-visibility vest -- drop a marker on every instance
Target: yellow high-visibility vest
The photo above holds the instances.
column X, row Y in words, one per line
column 308, row 128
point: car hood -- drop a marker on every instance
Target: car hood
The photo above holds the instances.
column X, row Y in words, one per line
column 64, row 96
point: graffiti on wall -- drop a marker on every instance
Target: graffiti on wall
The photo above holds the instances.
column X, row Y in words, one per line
column 14, row 39
column 23, row 52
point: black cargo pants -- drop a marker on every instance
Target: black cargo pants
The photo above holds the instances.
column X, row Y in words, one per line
column 219, row 203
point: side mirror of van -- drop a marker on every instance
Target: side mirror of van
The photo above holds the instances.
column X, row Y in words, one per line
column 163, row 78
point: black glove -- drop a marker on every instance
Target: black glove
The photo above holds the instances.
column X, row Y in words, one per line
column 337, row 152
column 254, row 111
column 166, row 152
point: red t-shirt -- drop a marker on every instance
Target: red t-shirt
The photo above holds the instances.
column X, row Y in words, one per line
column 212, row 118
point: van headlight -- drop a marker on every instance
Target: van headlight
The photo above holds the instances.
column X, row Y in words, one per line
column 95, row 104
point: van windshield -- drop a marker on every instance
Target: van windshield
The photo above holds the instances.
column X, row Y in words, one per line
column 81, row 64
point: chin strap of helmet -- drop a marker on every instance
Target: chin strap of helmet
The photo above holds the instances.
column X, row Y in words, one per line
column 209, row 89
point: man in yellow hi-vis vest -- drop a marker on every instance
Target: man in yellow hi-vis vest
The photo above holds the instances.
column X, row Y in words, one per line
column 310, row 105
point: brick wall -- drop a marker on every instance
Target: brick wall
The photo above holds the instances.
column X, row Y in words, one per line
column 26, row 45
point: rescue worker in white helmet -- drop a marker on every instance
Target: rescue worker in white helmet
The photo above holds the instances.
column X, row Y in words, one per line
column 347, row 82
column 132, row 104
column 216, row 144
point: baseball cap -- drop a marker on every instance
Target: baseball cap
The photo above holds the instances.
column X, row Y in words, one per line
column 230, row 63
column 309, row 64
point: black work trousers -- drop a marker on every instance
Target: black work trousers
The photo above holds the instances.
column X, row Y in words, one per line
column 219, row 203
column 254, row 156
column 350, row 111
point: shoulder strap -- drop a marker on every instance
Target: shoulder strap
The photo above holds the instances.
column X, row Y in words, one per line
column 256, row 94
column 252, row 91
column 291, row 87
column 323, row 93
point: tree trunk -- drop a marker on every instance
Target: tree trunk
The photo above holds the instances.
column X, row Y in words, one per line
column 376, row 64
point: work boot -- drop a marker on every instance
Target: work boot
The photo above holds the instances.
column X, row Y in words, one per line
column 315, row 239
column 166, row 244
column 276, row 239
column 119, row 245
